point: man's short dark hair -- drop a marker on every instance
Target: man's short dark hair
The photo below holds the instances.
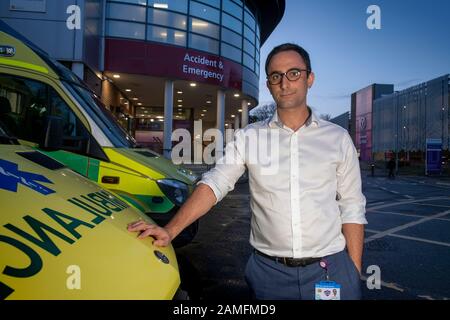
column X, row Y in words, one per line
column 289, row 47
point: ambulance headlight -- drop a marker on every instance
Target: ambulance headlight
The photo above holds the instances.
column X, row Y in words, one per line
column 175, row 190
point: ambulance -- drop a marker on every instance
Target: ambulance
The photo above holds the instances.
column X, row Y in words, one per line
column 39, row 95
column 64, row 237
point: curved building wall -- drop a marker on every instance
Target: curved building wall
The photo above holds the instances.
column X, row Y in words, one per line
column 220, row 31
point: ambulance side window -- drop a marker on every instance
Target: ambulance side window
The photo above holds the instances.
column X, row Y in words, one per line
column 25, row 105
column 22, row 107
column 75, row 135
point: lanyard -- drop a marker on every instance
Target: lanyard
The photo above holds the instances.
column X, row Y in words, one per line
column 324, row 265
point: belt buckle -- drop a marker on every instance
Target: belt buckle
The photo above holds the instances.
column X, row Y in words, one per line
column 301, row 262
column 289, row 262
column 297, row 263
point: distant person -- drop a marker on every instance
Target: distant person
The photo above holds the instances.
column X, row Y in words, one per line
column 308, row 217
column 391, row 168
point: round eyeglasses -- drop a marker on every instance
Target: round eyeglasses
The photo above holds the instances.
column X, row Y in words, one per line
column 292, row 75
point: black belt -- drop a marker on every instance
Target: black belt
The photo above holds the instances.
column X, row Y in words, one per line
column 290, row 262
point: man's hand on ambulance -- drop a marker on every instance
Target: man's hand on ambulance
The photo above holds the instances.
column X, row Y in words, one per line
column 161, row 235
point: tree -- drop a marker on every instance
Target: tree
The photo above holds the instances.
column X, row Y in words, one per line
column 263, row 112
column 325, row 116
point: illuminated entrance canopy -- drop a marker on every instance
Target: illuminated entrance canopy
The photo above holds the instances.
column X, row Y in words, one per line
column 138, row 57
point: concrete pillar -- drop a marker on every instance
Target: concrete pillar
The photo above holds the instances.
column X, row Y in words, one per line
column 220, row 121
column 244, row 107
column 168, row 117
column 236, row 122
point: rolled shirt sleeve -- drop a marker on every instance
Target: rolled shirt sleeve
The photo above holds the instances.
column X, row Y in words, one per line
column 222, row 178
column 351, row 201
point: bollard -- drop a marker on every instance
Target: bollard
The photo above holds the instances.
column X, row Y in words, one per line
column 372, row 170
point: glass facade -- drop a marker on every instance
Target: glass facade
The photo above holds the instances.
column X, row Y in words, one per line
column 404, row 120
column 225, row 28
column 204, row 11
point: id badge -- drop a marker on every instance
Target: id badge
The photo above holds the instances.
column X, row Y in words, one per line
column 328, row 290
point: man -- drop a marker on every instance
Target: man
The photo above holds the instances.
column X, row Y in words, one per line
column 306, row 211
column 391, row 167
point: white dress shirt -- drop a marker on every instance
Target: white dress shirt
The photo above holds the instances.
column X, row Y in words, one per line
column 305, row 187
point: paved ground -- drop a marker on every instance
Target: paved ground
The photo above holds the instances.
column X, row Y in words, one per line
column 408, row 238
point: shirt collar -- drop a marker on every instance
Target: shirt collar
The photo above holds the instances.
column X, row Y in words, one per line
column 313, row 120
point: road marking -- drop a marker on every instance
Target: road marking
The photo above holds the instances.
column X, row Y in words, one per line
column 398, row 213
column 426, row 297
column 390, row 191
column 433, row 205
column 406, row 214
column 372, row 230
column 406, row 202
column 445, row 244
column 420, row 239
column 431, row 298
column 377, row 203
column 404, row 226
column 409, row 197
column 389, row 285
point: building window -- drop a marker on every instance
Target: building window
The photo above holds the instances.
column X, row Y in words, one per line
column 258, row 34
column 125, row 29
column 166, row 35
column 166, row 18
column 249, row 48
column 249, row 62
column 125, row 12
column 205, row 12
column 214, row 3
column 232, row 37
column 172, row 5
column 141, row 2
column 231, row 52
column 232, row 8
column 249, row 20
column 249, row 34
column 203, row 43
column 204, row 27
column 232, row 23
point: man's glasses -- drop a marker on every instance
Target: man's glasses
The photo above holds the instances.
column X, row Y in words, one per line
column 291, row 75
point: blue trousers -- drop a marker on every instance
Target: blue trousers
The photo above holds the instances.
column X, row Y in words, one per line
column 271, row 280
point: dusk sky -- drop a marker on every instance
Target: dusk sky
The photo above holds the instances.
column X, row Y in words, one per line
column 412, row 46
